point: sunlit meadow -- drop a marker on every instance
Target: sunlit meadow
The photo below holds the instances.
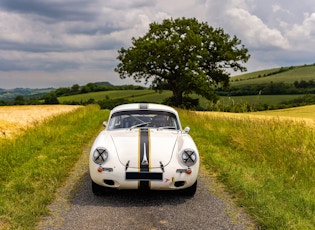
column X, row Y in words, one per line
column 268, row 165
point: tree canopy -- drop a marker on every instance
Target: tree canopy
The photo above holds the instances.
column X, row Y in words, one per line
column 184, row 55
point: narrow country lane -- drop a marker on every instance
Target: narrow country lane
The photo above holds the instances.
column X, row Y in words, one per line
column 77, row 208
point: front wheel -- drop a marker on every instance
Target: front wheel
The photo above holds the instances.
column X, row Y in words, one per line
column 190, row 191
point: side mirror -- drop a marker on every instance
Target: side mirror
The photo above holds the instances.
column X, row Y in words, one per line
column 105, row 123
column 186, row 130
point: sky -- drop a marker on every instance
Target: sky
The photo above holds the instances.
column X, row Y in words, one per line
column 58, row 43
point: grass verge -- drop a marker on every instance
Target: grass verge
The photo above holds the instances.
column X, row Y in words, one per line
column 268, row 165
column 35, row 164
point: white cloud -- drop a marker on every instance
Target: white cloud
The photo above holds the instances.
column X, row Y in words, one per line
column 63, row 39
column 255, row 33
column 302, row 36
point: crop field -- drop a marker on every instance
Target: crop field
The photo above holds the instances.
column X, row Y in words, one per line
column 17, row 118
column 260, row 99
column 112, row 94
column 303, row 112
column 36, row 160
column 298, row 73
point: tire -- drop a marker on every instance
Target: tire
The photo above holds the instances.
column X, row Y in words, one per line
column 190, row 191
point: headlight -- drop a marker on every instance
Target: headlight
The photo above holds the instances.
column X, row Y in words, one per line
column 100, row 155
column 189, row 157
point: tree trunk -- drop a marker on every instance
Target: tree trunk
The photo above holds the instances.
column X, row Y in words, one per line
column 177, row 93
column 178, row 98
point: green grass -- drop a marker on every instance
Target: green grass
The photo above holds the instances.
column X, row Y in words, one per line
column 268, row 165
column 155, row 97
column 131, row 95
column 113, row 94
column 252, row 75
column 298, row 73
column 299, row 112
column 34, row 164
column 260, row 99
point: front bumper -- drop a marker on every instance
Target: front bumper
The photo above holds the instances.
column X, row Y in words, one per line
column 170, row 179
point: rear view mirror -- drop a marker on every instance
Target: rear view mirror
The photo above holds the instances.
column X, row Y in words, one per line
column 105, row 123
column 186, row 130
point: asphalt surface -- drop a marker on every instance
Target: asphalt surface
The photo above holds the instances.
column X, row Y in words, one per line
column 76, row 207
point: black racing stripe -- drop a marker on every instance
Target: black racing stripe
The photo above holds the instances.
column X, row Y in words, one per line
column 143, row 106
column 144, row 160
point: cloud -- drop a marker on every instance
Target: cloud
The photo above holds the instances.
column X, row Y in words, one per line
column 53, row 10
column 256, row 34
column 60, row 39
column 66, row 41
column 302, row 36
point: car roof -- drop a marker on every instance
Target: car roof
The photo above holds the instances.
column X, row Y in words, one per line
column 143, row 106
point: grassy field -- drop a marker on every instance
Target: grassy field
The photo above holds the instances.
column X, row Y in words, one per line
column 131, row 95
column 14, row 119
column 304, row 112
column 260, row 99
column 265, row 162
column 156, row 97
column 112, row 94
column 297, row 73
column 34, row 163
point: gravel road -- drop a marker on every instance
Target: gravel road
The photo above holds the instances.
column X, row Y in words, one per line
column 76, row 207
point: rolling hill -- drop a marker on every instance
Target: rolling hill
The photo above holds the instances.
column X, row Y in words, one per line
column 10, row 94
column 256, row 88
column 283, row 74
column 265, row 87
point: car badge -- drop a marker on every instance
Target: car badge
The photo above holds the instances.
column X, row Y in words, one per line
column 145, row 159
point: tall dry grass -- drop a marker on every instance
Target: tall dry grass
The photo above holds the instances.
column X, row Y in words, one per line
column 267, row 164
column 36, row 162
column 15, row 119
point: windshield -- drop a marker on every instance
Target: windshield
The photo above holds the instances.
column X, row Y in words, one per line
column 143, row 118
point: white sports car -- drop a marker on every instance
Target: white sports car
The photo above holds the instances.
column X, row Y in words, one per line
column 144, row 147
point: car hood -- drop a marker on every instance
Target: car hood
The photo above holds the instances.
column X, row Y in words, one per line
column 152, row 147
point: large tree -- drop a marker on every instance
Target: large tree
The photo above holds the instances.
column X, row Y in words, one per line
column 185, row 55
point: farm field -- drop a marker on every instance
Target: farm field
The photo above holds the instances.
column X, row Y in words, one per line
column 304, row 112
column 265, row 160
column 260, row 99
column 299, row 114
column 131, row 95
column 158, row 97
column 112, row 94
column 298, row 73
column 16, row 118
column 34, row 163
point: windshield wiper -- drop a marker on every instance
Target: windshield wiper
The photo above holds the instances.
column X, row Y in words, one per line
column 166, row 127
column 140, row 125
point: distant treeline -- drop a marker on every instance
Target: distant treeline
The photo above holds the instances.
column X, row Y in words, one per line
column 281, row 70
column 272, row 88
column 278, row 88
column 52, row 96
column 243, row 107
column 93, row 87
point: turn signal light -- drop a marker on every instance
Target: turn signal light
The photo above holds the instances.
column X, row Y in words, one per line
column 188, row 171
column 100, row 169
